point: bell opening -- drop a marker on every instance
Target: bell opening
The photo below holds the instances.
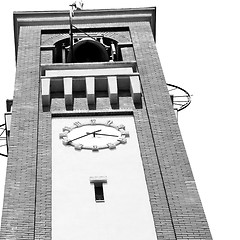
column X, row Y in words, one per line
column 88, row 50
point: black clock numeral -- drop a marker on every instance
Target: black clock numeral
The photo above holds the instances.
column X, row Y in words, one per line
column 77, row 124
column 67, row 129
column 122, row 140
column 121, row 126
column 93, row 121
column 66, row 141
column 95, row 148
column 78, row 146
column 63, row 135
column 111, row 146
column 125, row 133
column 109, row 122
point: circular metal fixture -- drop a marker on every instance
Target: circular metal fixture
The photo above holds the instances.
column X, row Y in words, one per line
column 179, row 96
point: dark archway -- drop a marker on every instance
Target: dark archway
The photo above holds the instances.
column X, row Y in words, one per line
column 88, row 50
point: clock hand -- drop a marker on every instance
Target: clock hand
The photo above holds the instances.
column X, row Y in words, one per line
column 88, row 133
column 104, row 134
column 94, row 132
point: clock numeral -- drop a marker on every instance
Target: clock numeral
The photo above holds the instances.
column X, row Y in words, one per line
column 65, row 141
column 122, row 140
column 111, row 146
column 77, row 124
column 121, row 126
column 109, row 122
column 95, row 148
column 63, row 135
column 78, row 146
column 125, row 133
column 68, row 129
column 93, row 121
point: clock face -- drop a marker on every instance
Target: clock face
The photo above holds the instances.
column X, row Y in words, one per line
column 94, row 135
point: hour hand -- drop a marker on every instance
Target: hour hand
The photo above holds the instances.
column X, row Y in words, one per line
column 94, row 132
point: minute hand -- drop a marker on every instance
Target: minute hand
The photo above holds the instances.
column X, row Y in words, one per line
column 105, row 134
column 88, row 133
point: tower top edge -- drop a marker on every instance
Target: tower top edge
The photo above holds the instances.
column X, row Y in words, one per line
column 28, row 18
column 43, row 12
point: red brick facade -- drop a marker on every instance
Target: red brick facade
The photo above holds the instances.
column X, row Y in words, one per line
column 176, row 206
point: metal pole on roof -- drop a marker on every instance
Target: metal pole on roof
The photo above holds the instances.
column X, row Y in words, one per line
column 74, row 6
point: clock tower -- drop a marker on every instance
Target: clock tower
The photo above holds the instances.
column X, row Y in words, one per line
column 95, row 151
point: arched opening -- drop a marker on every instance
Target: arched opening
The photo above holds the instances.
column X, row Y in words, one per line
column 88, row 50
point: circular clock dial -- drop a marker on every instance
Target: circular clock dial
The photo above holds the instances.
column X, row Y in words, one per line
column 94, row 135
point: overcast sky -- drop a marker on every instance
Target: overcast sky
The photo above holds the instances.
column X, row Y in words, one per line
column 198, row 44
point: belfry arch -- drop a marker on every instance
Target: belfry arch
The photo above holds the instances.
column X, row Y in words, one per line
column 87, row 49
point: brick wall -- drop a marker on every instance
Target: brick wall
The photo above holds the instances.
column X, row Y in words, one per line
column 19, row 202
column 186, row 210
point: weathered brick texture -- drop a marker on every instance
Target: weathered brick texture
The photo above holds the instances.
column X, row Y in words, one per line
column 19, row 204
column 184, row 203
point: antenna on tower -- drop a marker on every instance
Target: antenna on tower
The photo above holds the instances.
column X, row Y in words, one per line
column 77, row 5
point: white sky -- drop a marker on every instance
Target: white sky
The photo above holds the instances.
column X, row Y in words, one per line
column 199, row 48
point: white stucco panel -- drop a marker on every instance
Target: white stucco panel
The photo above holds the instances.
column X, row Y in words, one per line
column 125, row 212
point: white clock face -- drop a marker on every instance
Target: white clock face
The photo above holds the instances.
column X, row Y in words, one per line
column 94, row 135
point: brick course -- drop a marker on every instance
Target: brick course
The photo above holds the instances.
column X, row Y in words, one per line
column 184, row 203
column 19, row 204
